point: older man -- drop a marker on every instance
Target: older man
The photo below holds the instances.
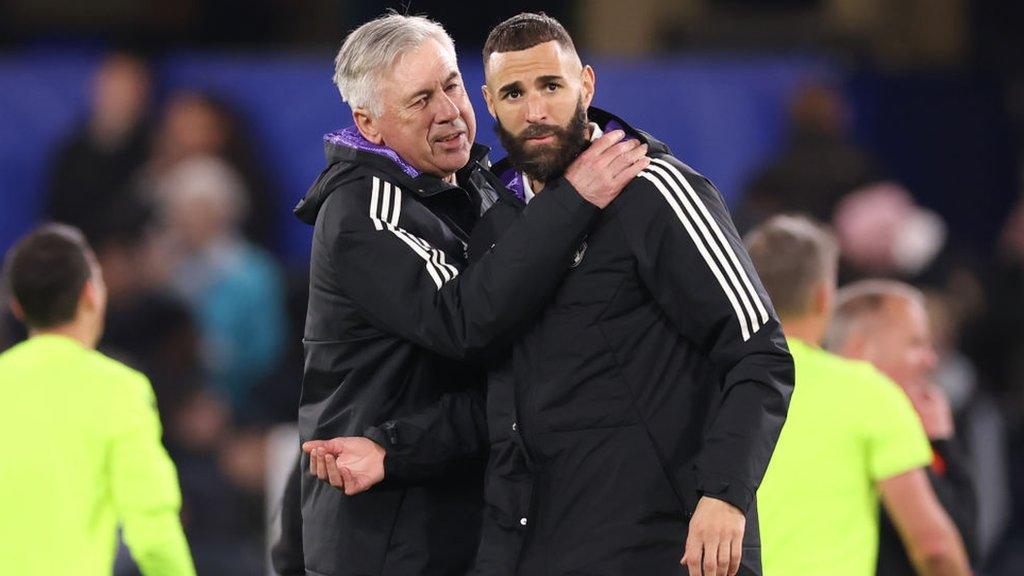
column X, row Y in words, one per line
column 393, row 308
column 885, row 323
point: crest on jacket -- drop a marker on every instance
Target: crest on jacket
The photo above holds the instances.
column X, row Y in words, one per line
column 578, row 257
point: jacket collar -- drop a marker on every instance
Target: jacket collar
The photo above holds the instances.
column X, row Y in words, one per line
column 512, row 178
column 348, row 145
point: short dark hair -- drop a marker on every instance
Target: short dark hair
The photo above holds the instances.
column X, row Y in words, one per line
column 791, row 254
column 46, row 271
column 524, row 31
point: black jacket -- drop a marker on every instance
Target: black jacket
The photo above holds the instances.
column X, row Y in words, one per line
column 393, row 309
column 657, row 373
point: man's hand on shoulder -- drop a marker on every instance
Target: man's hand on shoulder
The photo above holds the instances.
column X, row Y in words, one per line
column 351, row 464
column 715, row 541
column 601, row 172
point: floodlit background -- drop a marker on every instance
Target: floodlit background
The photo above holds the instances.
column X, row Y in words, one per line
column 178, row 134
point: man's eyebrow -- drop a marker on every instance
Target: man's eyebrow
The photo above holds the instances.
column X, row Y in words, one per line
column 550, row 78
column 510, row 87
column 428, row 91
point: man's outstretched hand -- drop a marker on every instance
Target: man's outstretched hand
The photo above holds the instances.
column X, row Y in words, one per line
column 715, row 541
column 352, row 464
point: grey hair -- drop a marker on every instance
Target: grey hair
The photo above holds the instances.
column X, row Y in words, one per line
column 371, row 50
column 859, row 306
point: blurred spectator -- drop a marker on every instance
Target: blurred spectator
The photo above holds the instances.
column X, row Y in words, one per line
column 94, row 167
column 818, row 165
column 978, row 419
column 233, row 287
column 885, row 323
column 135, row 277
column 883, row 232
column 197, row 125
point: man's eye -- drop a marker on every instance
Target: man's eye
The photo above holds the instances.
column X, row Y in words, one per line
column 452, row 87
column 552, row 87
column 419, row 103
column 513, row 94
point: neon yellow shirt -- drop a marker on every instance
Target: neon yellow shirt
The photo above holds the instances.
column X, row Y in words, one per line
column 80, row 453
column 848, row 427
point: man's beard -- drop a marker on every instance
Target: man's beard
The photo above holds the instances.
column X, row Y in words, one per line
column 546, row 162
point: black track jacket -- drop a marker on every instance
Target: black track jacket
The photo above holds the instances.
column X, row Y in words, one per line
column 658, row 373
column 393, row 310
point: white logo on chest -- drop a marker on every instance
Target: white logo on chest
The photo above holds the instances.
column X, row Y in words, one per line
column 578, row 257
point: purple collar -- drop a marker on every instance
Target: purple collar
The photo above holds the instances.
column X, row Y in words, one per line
column 351, row 138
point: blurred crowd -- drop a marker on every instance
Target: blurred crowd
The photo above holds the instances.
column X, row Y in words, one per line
column 180, row 215
column 183, row 219
column 971, row 355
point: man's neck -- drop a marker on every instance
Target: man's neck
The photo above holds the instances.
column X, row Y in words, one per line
column 77, row 331
column 808, row 328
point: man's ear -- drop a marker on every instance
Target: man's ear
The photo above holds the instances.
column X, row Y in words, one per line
column 17, row 310
column 822, row 295
column 857, row 346
column 91, row 297
column 588, row 82
column 489, row 101
column 367, row 124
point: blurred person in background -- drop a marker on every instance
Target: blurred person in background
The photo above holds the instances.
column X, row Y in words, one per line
column 885, row 323
column 92, row 174
column 851, row 437
column 67, row 407
column 234, row 288
column 196, row 124
column 884, row 232
column 818, row 164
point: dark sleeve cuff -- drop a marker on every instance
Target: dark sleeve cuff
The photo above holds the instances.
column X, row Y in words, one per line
column 725, row 489
column 386, row 436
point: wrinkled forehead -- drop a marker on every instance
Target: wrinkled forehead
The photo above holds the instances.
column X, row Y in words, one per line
column 545, row 59
column 425, row 66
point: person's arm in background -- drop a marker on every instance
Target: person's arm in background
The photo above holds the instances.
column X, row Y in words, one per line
column 897, row 453
column 145, row 489
column 929, row 535
column 949, row 473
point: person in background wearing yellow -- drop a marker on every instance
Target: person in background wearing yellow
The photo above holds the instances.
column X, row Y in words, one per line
column 80, row 450
column 852, row 437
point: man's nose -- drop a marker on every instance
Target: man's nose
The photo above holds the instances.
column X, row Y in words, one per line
column 445, row 109
column 536, row 108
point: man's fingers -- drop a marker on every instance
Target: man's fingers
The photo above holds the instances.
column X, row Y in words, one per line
column 352, row 487
column 692, row 557
column 628, row 158
column 724, row 552
column 711, row 557
column 332, row 471
column 735, row 555
column 321, row 467
column 606, row 141
column 629, row 172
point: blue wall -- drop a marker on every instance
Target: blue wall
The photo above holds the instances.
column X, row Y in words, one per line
column 722, row 115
